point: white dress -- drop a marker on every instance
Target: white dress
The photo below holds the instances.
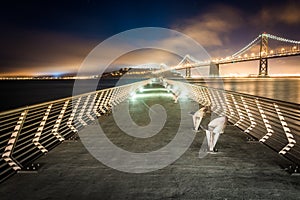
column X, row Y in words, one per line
column 217, row 125
column 197, row 118
column 215, row 128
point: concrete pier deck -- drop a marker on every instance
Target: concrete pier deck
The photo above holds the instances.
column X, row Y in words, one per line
column 240, row 170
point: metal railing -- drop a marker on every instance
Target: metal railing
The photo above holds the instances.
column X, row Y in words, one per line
column 30, row 132
column 274, row 123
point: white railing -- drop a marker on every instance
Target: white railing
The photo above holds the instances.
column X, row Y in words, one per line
column 28, row 133
column 272, row 122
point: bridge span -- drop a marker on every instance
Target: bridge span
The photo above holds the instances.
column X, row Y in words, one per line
column 262, row 48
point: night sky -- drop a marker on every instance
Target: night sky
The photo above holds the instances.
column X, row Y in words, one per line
column 48, row 37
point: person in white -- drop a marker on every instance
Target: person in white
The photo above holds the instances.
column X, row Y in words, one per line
column 198, row 116
column 215, row 128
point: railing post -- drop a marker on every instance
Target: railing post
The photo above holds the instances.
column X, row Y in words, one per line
column 108, row 99
column 58, row 121
column 95, row 110
column 206, row 96
column 82, row 111
column 287, row 131
column 89, row 111
column 266, row 122
column 231, row 112
column 70, row 120
column 124, row 95
column 7, row 155
column 196, row 95
column 223, row 106
column 113, row 100
column 38, row 134
column 250, row 116
column 214, row 106
column 103, row 102
column 237, row 107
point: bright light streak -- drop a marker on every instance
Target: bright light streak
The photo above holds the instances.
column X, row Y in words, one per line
column 150, row 95
column 141, row 89
column 132, row 95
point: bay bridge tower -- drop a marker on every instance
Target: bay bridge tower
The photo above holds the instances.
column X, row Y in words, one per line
column 263, row 52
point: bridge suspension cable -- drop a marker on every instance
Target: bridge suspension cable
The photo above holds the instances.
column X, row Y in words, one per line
column 247, row 47
column 282, row 39
column 264, row 53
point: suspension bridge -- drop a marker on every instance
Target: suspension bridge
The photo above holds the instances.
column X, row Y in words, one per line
column 39, row 144
column 262, row 48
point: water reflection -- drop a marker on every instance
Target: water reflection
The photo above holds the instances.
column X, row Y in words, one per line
column 286, row 89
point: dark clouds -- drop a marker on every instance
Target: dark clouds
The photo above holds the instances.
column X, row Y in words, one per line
column 212, row 27
column 40, row 52
column 228, row 26
column 273, row 14
column 50, row 36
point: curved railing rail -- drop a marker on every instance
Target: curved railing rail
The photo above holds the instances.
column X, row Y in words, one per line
column 29, row 132
column 273, row 122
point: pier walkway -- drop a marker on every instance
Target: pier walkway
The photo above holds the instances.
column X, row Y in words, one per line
column 239, row 170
